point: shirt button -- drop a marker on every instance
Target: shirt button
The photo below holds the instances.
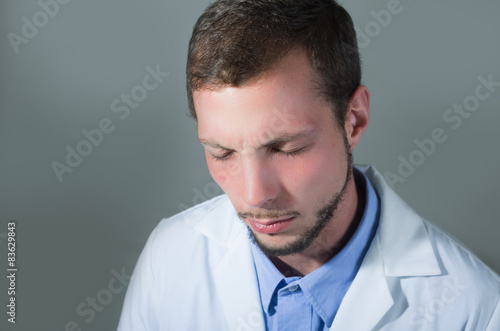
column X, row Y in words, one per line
column 293, row 288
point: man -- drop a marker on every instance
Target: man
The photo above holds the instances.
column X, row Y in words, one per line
column 302, row 240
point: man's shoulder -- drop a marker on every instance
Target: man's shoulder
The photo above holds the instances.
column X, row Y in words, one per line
column 425, row 257
column 197, row 214
column 213, row 221
column 406, row 236
column 457, row 259
column 465, row 284
column 429, row 271
column 172, row 277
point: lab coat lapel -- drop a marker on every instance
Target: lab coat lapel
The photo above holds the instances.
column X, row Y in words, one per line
column 405, row 246
column 368, row 298
column 233, row 270
column 401, row 248
column 236, row 284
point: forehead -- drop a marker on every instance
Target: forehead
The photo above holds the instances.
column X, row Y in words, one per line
column 284, row 99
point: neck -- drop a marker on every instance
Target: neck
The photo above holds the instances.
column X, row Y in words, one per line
column 334, row 237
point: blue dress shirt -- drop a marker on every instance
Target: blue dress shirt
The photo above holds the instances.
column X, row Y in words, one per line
column 311, row 302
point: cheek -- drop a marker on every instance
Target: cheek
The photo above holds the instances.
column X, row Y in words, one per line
column 224, row 173
column 314, row 176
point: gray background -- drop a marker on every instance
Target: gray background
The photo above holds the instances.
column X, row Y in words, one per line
column 73, row 234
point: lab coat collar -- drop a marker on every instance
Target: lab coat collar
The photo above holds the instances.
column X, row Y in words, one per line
column 401, row 248
column 405, row 246
column 236, row 284
column 234, row 273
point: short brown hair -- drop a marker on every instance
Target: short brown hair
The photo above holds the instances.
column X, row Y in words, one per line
column 235, row 42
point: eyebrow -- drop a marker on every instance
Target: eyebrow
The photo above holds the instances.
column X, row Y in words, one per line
column 278, row 140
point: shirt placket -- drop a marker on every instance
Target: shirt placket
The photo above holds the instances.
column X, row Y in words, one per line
column 293, row 309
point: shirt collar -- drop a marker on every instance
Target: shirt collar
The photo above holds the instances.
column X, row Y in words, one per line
column 326, row 286
column 269, row 278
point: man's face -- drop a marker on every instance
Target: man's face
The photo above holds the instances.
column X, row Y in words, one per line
column 275, row 150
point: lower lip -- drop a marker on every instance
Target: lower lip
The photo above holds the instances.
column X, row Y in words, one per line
column 271, row 228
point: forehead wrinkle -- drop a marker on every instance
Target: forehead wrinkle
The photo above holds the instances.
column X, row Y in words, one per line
column 286, row 137
column 210, row 143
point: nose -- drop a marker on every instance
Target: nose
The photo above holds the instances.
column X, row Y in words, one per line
column 260, row 183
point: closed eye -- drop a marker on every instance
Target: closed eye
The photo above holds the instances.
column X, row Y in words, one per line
column 293, row 152
column 223, row 157
column 273, row 151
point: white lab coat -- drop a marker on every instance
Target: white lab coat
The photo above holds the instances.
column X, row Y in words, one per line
column 196, row 273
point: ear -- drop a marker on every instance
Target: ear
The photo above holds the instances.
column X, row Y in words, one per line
column 358, row 115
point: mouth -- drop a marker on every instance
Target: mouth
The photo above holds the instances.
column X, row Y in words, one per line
column 268, row 226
